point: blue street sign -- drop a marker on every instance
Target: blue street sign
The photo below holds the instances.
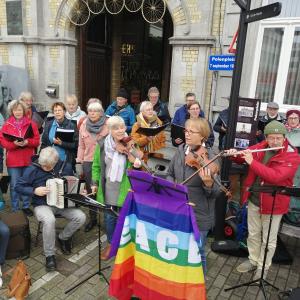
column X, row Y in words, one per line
column 221, row 62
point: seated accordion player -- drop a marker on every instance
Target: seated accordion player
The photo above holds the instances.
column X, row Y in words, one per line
column 58, row 188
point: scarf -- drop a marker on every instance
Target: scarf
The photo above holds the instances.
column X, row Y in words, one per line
column 118, row 160
column 289, row 128
column 61, row 151
column 95, row 127
column 18, row 123
column 75, row 115
column 147, row 123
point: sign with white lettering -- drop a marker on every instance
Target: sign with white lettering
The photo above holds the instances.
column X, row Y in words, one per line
column 264, row 12
column 221, row 62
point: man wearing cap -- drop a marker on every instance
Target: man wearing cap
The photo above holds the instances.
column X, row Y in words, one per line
column 121, row 108
column 272, row 115
column 273, row 167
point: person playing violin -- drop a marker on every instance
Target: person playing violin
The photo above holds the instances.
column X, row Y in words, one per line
column 202, row 189
column 109, row 179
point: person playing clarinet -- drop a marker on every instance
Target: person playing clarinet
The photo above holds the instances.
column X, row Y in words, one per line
column 274, row 167
column 109, row 179
column 202, row 190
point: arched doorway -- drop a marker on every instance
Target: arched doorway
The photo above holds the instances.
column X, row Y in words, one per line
column 124, row 50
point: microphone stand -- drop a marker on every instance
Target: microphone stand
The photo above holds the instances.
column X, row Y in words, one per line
column 97, row 208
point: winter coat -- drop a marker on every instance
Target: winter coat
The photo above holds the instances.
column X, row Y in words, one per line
column 88, row 142
column 19, row 156
column 161, row 109
column 181, row 115
column 99, row 176
column 35, row 177
column 144, row 144
column 222, row 121
column 70, row 148
column 201, row 196
column 126, row 113
column 279, row 171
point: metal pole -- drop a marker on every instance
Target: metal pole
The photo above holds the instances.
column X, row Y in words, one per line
column 233, row 113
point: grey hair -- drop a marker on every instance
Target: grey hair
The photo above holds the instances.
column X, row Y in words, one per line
column 153, row 90
column 48, row 157
column 95, row 106
column 144, row 105
column 115, row 122
column 72, row 97
column 25, row 95
column 14, row 104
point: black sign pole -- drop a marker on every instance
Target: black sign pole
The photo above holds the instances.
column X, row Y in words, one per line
column 220, row 244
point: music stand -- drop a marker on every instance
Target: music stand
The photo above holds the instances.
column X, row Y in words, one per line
column 274, row 190
column 97, row 207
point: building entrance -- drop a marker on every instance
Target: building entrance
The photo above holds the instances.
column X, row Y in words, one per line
column 124, row 51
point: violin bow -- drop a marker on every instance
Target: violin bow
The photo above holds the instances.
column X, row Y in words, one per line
column 204, row 166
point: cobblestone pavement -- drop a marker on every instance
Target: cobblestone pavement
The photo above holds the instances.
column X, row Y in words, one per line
column 84, row 261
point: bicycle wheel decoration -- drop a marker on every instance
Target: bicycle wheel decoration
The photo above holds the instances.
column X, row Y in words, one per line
column 79, row 13
column 133, row 5
column 95, row 6
column 114, row 6
column 153, row 10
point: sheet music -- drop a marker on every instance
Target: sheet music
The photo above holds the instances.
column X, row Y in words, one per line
column 56, row 195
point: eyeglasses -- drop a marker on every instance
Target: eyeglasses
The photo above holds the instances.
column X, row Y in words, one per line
column 273, row 139
column 194, row 109
column 293, row 118
column 186, row 131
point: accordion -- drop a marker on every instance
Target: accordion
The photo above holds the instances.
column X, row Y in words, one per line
column 58, row 188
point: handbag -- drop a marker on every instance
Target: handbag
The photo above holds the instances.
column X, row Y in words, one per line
column 20, row 282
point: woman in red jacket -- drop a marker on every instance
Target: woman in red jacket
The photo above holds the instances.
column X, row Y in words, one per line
column 18, row 153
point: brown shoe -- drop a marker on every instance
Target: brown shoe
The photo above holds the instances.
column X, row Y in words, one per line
column 105, row 252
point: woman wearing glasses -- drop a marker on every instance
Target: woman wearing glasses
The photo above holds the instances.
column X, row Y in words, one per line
column 202, row 190
column 194, row 112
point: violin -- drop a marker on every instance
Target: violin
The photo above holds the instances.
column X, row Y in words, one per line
column 199, row 159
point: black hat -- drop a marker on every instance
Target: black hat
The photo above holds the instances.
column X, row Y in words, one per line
column 123, row 93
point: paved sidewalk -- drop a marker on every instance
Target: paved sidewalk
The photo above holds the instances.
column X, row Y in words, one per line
column 84, row 261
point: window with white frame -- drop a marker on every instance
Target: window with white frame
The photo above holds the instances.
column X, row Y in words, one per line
column 276, row 69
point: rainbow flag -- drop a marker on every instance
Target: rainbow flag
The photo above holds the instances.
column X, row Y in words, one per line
column 156, row 243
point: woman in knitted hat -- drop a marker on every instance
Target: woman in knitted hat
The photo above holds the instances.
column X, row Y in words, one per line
column 275, row 168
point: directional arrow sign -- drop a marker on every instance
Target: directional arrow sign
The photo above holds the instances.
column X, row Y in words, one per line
column 241, row 3
column 263, row 12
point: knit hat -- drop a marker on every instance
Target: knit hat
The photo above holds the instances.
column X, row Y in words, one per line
column 292, row 111
column 275, row 127
column 273, row 105
column 123, row 93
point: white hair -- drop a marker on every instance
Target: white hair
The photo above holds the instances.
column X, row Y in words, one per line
column 145, row 105
column 25, row 95
column 48, row 157
column 115, row 122
column 95, row 106
column 72, row 98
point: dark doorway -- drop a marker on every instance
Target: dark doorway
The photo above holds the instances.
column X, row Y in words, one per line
column 124, row 50
column 95, row 52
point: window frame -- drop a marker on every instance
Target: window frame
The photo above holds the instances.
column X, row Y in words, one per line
column 289, row 25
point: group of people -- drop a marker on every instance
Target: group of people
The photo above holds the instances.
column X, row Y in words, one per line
column 101, row 152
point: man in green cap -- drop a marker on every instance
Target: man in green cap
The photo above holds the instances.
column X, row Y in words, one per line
column 273, row 167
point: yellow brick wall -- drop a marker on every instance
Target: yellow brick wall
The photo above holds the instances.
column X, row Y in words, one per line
column 4, row 54
column 29, row 53
column 188, row 81
column 179, row 16
column 2, row 13
column 195, row 13
column 27, row 8
column 53, row 7
column 54, row 53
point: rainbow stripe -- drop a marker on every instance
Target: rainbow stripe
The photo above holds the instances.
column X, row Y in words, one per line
column 157, row 255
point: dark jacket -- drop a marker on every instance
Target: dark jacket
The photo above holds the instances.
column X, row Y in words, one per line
column 161, row 109
column 181, row 115
column 70, row 148
column 126, row 113
column 35, row 177
column 222, row 121
column 203, row 197
column 279, row 171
